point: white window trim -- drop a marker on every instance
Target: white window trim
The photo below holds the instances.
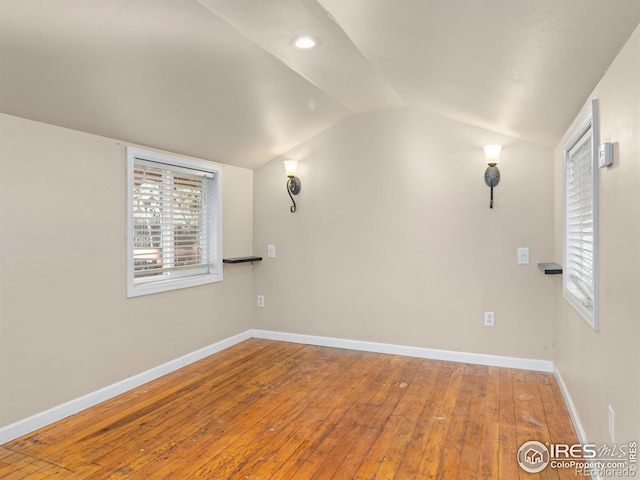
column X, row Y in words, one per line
column 588, row 118
column 144, row 286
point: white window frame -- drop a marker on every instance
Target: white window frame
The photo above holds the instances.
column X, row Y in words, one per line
column 585, row 302
column 178, row 279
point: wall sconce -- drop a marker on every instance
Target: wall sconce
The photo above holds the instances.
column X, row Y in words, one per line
column 492, row 174
column 293, row 183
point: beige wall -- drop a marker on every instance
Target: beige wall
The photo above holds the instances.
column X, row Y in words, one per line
column 603, row 368
column 394, row 240
column 66, row 326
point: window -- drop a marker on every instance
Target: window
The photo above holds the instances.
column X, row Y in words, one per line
column 580, row 275
column 173, row 222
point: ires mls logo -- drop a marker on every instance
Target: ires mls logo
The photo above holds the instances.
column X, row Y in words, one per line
column 586, row 460
column 533, row 457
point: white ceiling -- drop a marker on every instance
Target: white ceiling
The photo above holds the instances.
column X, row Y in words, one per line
column 221, row 79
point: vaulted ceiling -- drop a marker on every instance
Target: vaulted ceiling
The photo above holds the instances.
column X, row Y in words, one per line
column 222, row 80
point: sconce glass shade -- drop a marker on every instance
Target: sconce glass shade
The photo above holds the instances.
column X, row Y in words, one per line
column 290, row 166
column 492, row 153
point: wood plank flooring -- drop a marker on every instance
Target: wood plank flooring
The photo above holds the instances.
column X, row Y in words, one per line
column 266, row 410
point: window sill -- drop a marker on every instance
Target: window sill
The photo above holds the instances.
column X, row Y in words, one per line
column 140, row 289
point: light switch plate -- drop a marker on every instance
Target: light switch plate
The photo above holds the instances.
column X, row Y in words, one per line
column 271, row 251
column 523, row 256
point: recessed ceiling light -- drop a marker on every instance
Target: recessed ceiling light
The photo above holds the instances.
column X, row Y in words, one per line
column 305, row 41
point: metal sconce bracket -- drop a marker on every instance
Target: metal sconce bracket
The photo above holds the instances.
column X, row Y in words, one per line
column 293, row 188
column 492, row 178
column 293, row 183
column 492, row 174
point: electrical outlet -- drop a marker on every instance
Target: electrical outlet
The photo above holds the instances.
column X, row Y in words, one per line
column 271, row 251
column 612, row 424
column 489, row 319
column 261, row 300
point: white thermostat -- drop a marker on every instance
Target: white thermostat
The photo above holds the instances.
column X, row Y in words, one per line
column 605, row 155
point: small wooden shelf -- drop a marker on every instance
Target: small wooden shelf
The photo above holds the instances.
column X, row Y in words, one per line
column 550, row 268
column 242, row 260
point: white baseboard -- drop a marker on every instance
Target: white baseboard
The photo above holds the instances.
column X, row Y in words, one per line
column 42, row 419
column 573, row 413
column 448, row 355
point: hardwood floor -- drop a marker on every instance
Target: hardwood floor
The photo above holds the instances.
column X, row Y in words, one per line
column 273, row 410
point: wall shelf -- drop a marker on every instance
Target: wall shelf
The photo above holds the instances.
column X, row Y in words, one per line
column 242, row 259
column 550, row 268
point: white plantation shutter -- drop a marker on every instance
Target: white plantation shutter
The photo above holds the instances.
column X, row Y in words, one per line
column 580, row 236
column 579, row 261
column 173, row 223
